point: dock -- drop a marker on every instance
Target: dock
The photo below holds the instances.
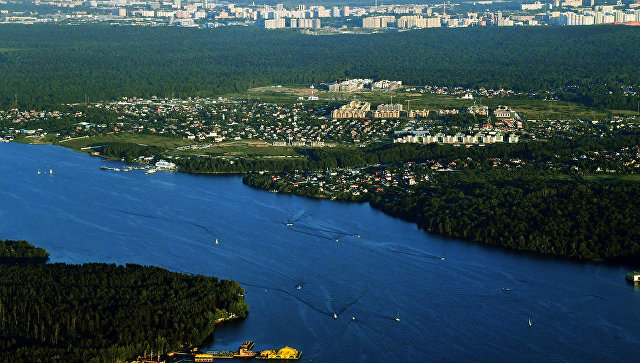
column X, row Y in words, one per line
column 244, row 352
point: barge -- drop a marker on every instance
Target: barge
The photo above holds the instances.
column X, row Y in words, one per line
column 286, row 353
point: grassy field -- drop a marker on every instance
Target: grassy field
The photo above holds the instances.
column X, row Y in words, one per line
column 527, row 108
column 162, row 141
column 240, row 148
column 612, row 178
column 244, row 148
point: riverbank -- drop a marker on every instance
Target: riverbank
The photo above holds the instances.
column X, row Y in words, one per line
column 543, row 215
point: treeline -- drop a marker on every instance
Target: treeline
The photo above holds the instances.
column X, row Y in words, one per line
column 129, row 151
column 21, row 252
column 47, row 64
column 586, row 220
column 103, row 312
column 560, row 151
column 612, row 98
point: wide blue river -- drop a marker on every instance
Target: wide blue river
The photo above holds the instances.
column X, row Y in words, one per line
column 475, row 304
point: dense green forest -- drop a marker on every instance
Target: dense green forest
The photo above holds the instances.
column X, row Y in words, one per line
column 103, row 312
column 21, row 252
column 49, row 64
column 587, row 220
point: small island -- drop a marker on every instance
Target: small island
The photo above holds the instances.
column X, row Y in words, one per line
column 99, row 312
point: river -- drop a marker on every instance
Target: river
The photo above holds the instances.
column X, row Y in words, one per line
column 455, row 300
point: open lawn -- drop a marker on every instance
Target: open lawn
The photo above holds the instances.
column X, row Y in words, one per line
column 162, row 141
column 240, row 148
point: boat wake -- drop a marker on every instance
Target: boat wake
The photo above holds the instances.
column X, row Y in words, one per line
column 418, row 254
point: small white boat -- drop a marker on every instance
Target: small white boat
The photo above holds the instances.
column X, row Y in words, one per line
column 150, row 171
column 442, row 259
column 50, row 172
column 353, row 318
column 398, row 317
column 530, row 323
column 335, row 316
column 298, row 287
column 216, row 241
column 38, row 171
column 289, row 224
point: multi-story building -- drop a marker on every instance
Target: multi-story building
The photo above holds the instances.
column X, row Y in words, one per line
column 418, row 113
column 411, row 21
column 351, row 85
column 422, row 137
column 505, row 113
column 354, row 109
column 380, row 21
column 391, row 110
column 386, row 85
column 274, row 23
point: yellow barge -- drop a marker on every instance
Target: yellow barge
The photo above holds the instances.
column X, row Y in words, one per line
column 287, row 353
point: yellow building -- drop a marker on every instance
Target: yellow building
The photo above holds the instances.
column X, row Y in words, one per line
column 355, row 109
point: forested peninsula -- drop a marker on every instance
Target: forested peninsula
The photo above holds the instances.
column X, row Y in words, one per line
column 103, row 312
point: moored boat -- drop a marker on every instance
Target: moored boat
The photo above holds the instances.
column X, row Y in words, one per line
column 633, row 276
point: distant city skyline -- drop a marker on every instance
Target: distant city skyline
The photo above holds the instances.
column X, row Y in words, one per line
column 336, row 16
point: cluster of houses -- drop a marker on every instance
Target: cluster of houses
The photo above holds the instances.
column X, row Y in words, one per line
column 215, row 120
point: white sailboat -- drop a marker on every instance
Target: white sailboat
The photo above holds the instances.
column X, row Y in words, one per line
column 50, row 172
column 530, row 323
column 335, row 316
column 38, row 171
column 216, row 241
column 398, row 317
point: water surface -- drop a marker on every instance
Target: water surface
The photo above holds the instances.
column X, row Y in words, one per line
column 472, row 305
